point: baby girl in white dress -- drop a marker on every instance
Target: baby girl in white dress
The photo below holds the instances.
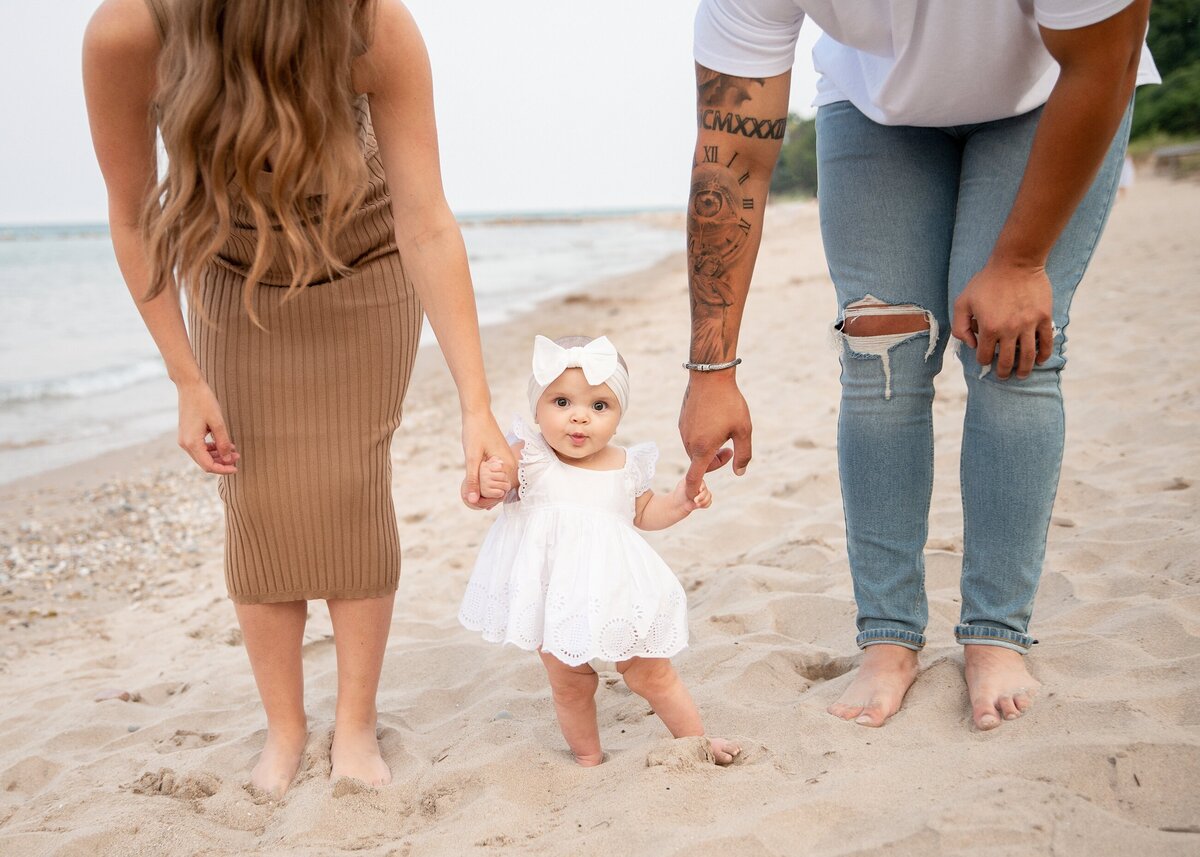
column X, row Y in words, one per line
column 563, row 572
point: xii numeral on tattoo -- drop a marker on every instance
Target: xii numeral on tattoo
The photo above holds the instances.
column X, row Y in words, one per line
column 712, row 155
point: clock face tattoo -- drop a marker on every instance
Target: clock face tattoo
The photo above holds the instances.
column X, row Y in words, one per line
column 716, row 230
column 718, row 236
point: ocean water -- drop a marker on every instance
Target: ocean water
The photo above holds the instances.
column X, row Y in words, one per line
column 80, row 376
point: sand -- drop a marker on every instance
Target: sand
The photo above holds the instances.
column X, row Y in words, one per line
column 110, row 583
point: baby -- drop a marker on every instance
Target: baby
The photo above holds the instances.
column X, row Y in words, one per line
column 563, row 571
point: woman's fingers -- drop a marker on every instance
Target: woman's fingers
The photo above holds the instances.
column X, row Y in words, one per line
column 199, row 451
column 224, row 443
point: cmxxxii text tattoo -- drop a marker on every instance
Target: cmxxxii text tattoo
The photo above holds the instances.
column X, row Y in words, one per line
column 735, row 123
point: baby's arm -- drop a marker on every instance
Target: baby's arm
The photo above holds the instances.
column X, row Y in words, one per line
column 659, row 511
column 493, row 484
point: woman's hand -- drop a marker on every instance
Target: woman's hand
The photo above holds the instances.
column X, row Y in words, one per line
column 199, row 417
column 482, row 441
column 1006, row 314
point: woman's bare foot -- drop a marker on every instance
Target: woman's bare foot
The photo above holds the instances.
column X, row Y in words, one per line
column 724, row 751
column 278, row 762
column 884, row 676
column 355, row 754
column 999, row 685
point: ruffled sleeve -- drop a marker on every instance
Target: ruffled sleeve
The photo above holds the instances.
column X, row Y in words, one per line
column 639, row 468
column 536, row 454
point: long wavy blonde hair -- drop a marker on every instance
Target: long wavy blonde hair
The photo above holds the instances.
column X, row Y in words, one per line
column 246, row 86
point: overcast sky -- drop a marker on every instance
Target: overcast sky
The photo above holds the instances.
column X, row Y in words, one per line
column 543, row 105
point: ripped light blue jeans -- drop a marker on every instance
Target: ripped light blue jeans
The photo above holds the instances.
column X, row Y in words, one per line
column 908, row 216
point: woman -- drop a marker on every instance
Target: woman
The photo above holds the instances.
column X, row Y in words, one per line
column 294, row 131
column 968, row 154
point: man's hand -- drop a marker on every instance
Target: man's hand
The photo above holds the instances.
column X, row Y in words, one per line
column 1006, row 314
column 713, row 412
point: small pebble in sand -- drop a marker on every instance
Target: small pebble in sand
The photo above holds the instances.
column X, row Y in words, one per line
column 503, row 714
column 122, row 695
column 132, row 728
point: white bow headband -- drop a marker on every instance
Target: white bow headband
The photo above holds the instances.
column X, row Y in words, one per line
column 598, row 360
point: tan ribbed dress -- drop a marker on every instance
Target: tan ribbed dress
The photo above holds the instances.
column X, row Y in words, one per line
column 311, row 402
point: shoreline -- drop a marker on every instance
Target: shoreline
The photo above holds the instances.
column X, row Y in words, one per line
column 62, row 415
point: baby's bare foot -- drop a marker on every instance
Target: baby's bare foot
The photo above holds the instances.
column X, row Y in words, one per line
column 884, row 676
column 998, row 683
column 355, row 754
column 724, row 751
column 588, row 760
column 278, row 762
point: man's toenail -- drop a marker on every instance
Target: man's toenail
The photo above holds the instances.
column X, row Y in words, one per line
column 863, row 718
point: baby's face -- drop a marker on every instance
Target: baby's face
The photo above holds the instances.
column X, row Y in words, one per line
column 576, row 418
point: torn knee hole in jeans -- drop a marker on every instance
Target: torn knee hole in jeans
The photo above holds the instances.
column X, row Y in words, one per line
column 878, row 339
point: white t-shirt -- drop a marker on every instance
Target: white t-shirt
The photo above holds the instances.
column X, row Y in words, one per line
column 906, row 62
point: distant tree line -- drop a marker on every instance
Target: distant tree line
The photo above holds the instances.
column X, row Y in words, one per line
column 796, row 171
column 1174, row 107
column 1170, row 109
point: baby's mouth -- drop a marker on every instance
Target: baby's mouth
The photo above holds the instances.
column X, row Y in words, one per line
column 577, row 438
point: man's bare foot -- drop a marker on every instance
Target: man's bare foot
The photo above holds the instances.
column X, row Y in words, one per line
column 999, row 685
column 355, row 754
column 884, row 676
column 724, row 751
column 279, row 761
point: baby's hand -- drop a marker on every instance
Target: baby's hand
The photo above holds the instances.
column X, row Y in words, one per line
column 492, row 483
column 702, row 500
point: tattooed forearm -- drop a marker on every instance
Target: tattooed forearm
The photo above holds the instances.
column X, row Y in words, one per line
column 717, row 238
column 735, row 123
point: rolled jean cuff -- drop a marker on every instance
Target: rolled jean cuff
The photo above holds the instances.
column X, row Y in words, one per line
column 985, row 635
column 893, row 636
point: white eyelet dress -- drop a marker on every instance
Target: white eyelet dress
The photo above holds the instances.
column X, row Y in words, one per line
column 563, row 567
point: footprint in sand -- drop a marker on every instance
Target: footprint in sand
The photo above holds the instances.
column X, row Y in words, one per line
column 686, row 754
column 170, row 784
column 347, row 786
column 29, row 776
column 185, row 739
column 158, row 694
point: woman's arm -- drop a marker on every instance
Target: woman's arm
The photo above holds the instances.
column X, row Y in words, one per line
column 120, row 52
column 1010, row 299
column 396, row 75
column 740, row 124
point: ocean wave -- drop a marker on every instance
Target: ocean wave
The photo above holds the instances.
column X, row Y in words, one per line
column 82, row 385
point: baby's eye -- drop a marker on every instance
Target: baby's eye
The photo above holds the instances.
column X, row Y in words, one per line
column 599, row 406
column 561, row 402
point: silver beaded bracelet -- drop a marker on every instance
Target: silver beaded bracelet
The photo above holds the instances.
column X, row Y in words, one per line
column 712, row 367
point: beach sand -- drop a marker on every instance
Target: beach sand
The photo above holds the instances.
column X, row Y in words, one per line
column 111, row 583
